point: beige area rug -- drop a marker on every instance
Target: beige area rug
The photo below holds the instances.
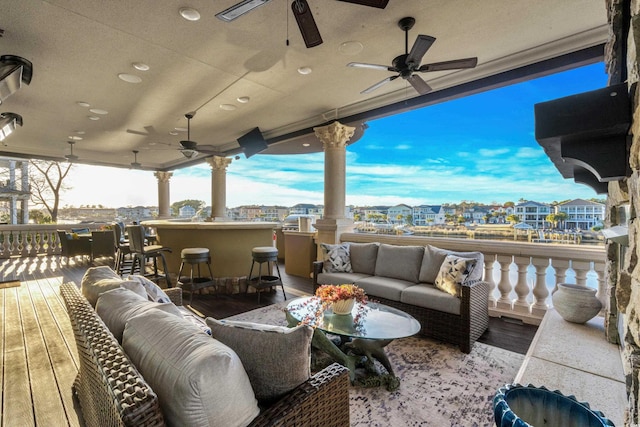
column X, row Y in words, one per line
column 440, row 385
column 10, row 284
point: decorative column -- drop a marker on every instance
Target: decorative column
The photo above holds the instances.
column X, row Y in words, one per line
column 218, row 187
column 164, row 199
column 25, row 188
column 334, row 139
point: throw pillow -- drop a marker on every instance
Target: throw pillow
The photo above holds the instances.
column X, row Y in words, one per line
column 399, row 262
column 434, row 257
column 363, row 257
column 453, row 271
column 199, row 380
column 97, row 280
column 336, row 258
column 277, row 359
column 153, row 290
column 117, row 306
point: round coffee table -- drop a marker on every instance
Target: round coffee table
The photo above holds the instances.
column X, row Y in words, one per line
column 365, row 332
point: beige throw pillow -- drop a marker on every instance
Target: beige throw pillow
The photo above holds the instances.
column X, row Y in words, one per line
column 277, row 359
column 453, row 272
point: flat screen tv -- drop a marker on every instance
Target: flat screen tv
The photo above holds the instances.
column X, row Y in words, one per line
column 252, row 143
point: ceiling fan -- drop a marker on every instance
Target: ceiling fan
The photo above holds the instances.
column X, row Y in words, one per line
column 301, row 12
column 191, row 149
column 407, row 64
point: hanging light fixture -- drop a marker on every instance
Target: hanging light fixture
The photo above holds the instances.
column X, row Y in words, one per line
column 71, row 157
column 14, row 71
column 135, row 164
column 8, row 123
column 189, row 147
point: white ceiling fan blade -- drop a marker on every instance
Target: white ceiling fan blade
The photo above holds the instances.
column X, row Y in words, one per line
column 379, row 84
column 419, row 84
column 450, row 65
column 419, row 48
column 371, row 66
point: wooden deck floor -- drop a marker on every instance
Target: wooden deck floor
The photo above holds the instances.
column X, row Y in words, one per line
column 39, row 360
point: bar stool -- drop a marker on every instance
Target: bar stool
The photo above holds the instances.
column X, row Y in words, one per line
column 141, row 252
column 195, row 257
column 268, row 255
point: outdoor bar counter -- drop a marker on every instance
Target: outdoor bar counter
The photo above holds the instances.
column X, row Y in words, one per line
column 229, row 243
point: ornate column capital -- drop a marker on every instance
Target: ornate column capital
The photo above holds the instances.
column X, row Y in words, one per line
column 334, row 135
column 218, row 162
column 163, row 176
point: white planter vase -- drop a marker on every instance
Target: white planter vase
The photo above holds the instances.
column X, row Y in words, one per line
column 343, row 306
column 575, row 303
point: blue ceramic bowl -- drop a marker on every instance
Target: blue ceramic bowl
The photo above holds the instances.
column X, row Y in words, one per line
column 516, row 405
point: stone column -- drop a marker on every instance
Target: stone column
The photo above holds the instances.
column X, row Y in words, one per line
column 218, row 187
column 25, row 188
column 164, row 198
column 334, row 139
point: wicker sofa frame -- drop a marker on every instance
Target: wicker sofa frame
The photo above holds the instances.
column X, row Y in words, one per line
column 112, row 392
column 462, row 330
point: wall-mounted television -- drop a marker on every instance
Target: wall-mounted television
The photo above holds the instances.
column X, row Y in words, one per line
column 252, row 142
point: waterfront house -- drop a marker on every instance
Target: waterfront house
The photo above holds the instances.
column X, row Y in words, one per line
column 582, row 214
column 534, row 213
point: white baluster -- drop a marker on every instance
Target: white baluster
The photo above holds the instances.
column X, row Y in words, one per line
column 489, row 260
column 521, row 305
column 540, row 291
column 599, row 268
column 560, row 266
column 504, row 286
column 581, row 268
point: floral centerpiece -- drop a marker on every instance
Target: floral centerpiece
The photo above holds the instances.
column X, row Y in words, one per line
column 331, row 297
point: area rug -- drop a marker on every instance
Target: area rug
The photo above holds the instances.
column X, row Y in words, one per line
column 9, row 284
column 439, row 385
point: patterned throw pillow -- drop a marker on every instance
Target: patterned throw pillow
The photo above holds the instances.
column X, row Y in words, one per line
column 336, row 258
column 453, row 271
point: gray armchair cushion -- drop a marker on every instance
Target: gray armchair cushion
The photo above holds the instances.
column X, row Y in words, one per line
column 363, row 257
column 434, row 257
column 400, row 262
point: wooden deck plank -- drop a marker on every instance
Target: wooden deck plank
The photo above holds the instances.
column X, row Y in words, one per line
column 17, row 406
column 62, row 357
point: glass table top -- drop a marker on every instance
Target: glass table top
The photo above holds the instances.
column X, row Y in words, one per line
column 371, row 320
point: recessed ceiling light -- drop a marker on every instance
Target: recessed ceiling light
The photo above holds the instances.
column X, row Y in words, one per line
column 76, row 138
column 350, row 48
column 129, row 78
column 173, row 133
column 305, row 70
column 93, row 117
column 83, row 104
column 181, row 129
column 244, row 99
column 79, row 132
column 189, row 14
column 140, row 66
column 306, row 144
column 227, row 107
column 99, row 111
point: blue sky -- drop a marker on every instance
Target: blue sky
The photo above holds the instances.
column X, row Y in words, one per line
column 479, row 148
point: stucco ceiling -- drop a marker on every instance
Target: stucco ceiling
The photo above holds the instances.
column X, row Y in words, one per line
column 78, row 48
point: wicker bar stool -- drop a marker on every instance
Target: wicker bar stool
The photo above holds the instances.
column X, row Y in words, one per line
column 195, row 257
column 268, row 255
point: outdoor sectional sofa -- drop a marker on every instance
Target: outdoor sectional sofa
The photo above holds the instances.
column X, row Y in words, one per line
column 113, row 392
column 404, row 276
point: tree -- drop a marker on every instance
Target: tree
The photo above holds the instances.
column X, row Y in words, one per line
column 47, row 182
column 195, row 204
column 553, row 219
column 513, row 218
column 39, row 217
column 561, row 217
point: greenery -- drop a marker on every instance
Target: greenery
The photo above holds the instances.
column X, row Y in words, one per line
column 195, row 204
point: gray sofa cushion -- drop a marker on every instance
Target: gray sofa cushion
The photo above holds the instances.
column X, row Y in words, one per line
column 283, row 361
column 363, row 257
column 339, row 278
column 429, row 296
column 434, row 257
column 384, row 287
column 199, row 380
column 400, row 262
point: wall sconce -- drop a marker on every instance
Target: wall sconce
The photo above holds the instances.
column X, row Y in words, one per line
column 8, row 123
column 14, row 71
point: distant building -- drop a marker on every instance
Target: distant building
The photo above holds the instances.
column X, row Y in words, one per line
column 186, row 212
column 582, row 214
column 274, row 213
column 533, row 213
column 399, row 214
column 428, row 215
column 137, row 213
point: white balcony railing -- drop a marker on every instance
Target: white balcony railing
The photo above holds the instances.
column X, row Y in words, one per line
column 34, row 240
column 522, row 275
